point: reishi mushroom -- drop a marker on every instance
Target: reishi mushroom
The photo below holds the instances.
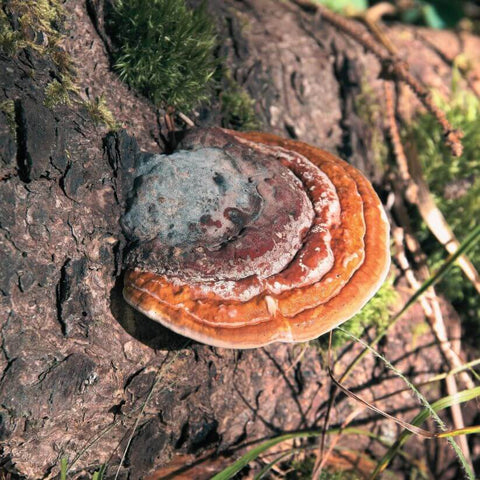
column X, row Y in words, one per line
column 244, row 239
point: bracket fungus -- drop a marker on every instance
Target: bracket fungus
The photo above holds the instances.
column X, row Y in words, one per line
column 239, row 240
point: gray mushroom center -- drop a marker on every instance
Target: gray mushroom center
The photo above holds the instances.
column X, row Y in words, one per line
column 192, row 197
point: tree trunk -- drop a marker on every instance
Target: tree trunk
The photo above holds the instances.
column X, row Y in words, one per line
column 77, row 365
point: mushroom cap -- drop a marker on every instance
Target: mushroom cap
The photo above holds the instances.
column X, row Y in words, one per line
column 330, row 253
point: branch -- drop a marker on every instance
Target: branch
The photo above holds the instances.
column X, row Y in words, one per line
column 392, row 68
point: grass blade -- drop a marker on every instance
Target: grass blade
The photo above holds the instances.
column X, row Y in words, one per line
column 428, row 409
column 443, row 403
column 63, row 468
column 251, row 455
column 269, row 466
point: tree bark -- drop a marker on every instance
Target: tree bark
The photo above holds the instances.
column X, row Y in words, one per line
column 76, row 363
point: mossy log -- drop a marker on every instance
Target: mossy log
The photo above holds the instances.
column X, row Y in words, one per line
column 76, row 363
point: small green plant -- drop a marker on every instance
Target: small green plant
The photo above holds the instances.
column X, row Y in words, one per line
column 455, row 184
column 97, row 475
column 433, row 13
column 164, row 51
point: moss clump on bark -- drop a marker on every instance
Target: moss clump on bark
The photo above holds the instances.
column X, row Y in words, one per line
column 101, row 114
column 369, row 110
column 238, row 108
column 31, row 23
column 38, row 25
column 10, row 40
column 7, row 107
column 57, row 92
column 165, row 51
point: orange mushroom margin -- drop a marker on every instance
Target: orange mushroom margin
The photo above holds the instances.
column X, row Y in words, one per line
column 312, row 295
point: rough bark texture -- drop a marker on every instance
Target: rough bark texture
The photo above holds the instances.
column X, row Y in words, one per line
column 76, row 363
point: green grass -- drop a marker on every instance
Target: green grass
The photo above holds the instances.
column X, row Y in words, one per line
column 470, row 242
column 430, row 410
column 165, row 51
column 442, row 404
column 455, row 185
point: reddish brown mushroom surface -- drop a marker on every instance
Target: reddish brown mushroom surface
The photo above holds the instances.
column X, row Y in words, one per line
column 244, row 239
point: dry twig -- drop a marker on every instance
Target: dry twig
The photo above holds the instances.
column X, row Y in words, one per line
column 371, row 16
column 418, row 193
column 392, row 68
column 402, row 236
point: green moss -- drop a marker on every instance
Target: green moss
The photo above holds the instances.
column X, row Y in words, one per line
column 165, row 51
column 455, row 184
column 10, row 40
column 369, row 109
column 375, row 313
column 58, row 92
column 238, row 108
column 39, row 23
column 8, row 109
column 101, row 114
column 418, row 331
